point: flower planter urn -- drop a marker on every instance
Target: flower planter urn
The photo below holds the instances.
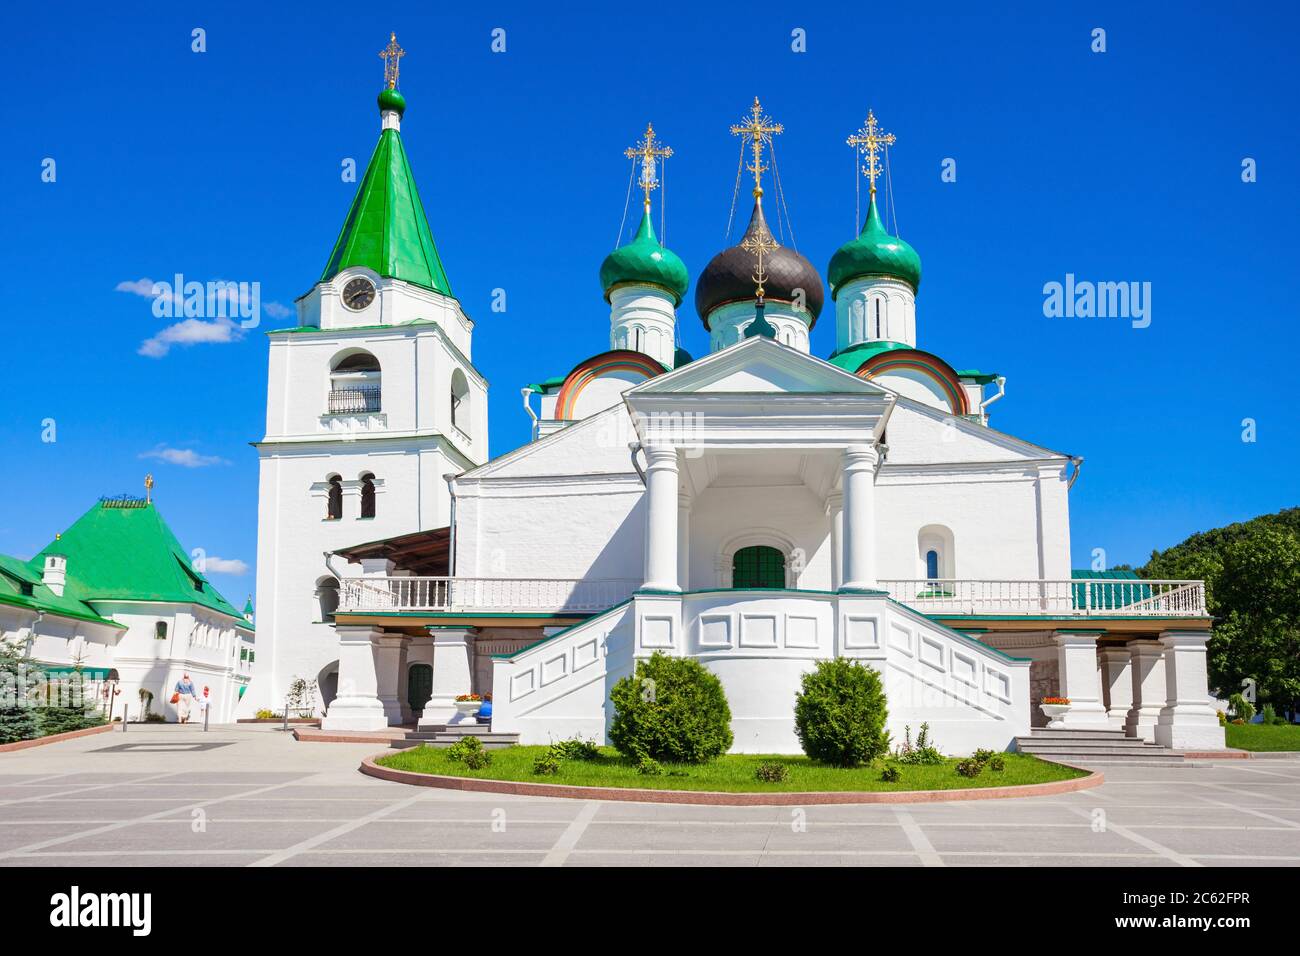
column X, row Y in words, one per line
column 465, row 711
column 1054, row 713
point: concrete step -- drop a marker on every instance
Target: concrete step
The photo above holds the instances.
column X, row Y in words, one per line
column 1116, row 753
column 1075, row 733
column 1037, row 743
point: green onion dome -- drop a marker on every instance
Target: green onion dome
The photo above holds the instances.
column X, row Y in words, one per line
column 392, row 100
column 645, row 261
column 874, row 253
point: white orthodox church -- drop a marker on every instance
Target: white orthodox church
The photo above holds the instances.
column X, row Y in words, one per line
column 758, row 508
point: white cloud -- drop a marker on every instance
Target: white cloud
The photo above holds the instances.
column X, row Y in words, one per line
column 276, row 311
column 140, row 287
column 185, row 457
column 190, row 332
column 214, row 565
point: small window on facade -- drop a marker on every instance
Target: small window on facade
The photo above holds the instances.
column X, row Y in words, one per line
column 334, row 508
column 367, row 496
column 932, row 565
column 160, row 631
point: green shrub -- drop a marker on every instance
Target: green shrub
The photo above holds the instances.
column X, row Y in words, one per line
column 672, row 709
column 769, row 772
column 470, row 752
column 649, row 767
column 1242, row 709
column 839, row 714
column 1270, row 716
column 547, row 764
column 62, row 720
column 891, row 775
column 969, row 767
column 997, row 764
column 575, row 749
column 983, row 756
column 923, row 752
column 152, row 718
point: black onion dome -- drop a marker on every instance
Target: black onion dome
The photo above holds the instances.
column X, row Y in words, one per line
column 729, row 276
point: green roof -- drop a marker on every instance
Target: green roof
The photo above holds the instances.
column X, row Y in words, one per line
column 645, row 261
column 874, row 252
column 980, row 378
column 119, row 550
column 851, row 358
column 386, row 229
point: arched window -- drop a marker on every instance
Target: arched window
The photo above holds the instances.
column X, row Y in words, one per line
column 932, row 565
column 160, row 630
column 934, row 552
column 355, row 384
column 334, row 503
column 460, row 401
column 758, row 566
column 327, row 596
column 878, row 317
column 367, row 495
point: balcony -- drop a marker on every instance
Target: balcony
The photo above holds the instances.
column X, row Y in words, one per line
column 354, row 400
column 1084, row 598
column 1062, row 598
column 397, row 594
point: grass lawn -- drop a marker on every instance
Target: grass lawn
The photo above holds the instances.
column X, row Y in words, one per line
column 733, row 773
column 1263, row 736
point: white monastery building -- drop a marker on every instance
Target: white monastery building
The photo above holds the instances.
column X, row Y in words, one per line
column 758, row 508
column 118, row 600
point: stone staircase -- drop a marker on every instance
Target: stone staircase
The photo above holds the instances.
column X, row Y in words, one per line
column 1096, row 748
column 444, row 735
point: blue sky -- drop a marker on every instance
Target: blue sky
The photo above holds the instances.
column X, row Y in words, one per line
column 1116, row 166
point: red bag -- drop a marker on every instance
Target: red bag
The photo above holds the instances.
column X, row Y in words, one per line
column 176, row 698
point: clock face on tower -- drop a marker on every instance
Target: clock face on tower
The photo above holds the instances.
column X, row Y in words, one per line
column 358, row 293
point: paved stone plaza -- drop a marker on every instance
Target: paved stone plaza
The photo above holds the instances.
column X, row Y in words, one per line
column 252, row 796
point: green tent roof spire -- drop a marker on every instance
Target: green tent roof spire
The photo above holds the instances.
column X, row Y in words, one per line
column 386, row 229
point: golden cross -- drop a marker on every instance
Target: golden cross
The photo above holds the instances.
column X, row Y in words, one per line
column 148, row 488
column 648, row 153
column 868, row 141
column 391, row 55
column 757, row 130
column 759, row 243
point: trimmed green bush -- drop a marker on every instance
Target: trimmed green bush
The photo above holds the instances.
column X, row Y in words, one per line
column 575, row 749
column 997, row 764
column 891, row 775
column 839, row 714
column 771, row 772
column 547, row 764
column 470, row 752
column 970, row 767
column 673, row 710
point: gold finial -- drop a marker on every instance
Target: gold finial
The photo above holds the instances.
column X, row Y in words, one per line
column 148, row 488
column 759, row 243
column 757, row 130
column 868, row 141
column 648, row 152
column 391, row 55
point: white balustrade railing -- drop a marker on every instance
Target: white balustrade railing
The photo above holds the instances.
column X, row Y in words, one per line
column 1085, row 597
column 498, row 594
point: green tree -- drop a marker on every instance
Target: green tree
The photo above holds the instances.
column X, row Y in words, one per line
column 1252, row 576
column 672, row 709
column 839, row 714
column 18, row 719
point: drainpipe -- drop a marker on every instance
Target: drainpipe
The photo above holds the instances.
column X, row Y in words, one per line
column 527, row 393
column 634, row 447
column 450, row 479
column 31, row 632
column 1002, row 390
column 1078, row 466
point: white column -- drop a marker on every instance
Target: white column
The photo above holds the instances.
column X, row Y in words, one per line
column 390, row 658
column 357, row 705
column 1187, row 721
column 452, row 672
column 835, row 509
column 1080, row 680
column 1150, row 691
column 1117, row 681
column 684, row 541
column 859, row 568
column 661, row 519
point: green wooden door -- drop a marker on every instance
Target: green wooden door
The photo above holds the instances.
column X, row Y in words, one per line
column 419, row 686
column 758, row 567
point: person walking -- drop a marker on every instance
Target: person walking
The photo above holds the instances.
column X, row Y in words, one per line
column 184, row 696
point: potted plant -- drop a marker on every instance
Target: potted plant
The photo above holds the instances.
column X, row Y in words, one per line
column 467, row 705
column 1054, row 708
